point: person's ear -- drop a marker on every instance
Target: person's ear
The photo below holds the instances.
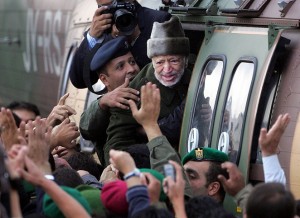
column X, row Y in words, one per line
column 213, row 188
column 104, row 79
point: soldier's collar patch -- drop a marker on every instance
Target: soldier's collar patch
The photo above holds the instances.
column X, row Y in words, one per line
column 199, row 154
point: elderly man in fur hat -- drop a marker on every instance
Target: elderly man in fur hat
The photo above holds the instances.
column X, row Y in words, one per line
column 169, row 49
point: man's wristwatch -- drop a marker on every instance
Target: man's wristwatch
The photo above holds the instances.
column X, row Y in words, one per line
column 136, row 172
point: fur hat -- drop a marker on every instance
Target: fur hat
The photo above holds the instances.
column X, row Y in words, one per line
column 168, row 39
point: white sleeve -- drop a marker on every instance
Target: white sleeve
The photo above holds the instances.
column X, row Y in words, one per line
column 272, row 170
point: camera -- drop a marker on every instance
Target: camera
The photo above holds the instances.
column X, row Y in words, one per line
column 124, row 16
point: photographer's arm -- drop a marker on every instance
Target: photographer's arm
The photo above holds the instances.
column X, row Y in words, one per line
column 101, row 22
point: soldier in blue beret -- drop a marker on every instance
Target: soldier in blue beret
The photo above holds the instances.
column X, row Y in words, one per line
column 113, row 62
column 115, row 66
column 202, row 166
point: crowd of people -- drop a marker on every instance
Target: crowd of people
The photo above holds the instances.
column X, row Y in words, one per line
column 135, row 126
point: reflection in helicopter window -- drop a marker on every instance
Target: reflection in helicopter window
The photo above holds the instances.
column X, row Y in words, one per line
column 234, row 113
column 206, row 100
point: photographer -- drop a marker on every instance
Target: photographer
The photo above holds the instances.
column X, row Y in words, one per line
column 102, row 30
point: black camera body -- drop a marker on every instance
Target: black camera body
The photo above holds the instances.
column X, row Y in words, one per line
column 124, row 16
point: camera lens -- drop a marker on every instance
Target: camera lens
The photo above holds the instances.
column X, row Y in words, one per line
column 125, row 21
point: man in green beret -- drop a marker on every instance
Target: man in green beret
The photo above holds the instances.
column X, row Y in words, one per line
column 202, row 166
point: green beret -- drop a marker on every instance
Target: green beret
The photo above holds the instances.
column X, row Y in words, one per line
column 50, row 208
column 205, row 154
column 160, row 177
column 92, row 195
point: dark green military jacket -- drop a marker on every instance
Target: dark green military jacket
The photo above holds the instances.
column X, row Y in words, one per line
column 122, row 130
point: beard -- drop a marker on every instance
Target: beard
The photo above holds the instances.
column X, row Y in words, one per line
column 176, row 74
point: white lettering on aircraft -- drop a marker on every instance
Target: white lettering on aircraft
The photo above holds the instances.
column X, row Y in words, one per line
column 44, row 32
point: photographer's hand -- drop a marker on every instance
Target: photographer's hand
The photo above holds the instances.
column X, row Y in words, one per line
column 101, row 22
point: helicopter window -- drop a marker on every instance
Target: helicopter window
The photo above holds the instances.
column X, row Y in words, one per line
column 205, row 104
column 235, row 110
column 266, row 107
column 63, row 86
column 98, row 86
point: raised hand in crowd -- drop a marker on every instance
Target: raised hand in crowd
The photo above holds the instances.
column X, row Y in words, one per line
column 39, row 144
column 63, row 152
column 119, row 97
column 100, row 23
column 269, row 140
column 35, row 175
column 64, row 134
column 15, row 160
column 148, row 114
column 175, row 190
column 22, row 133
column 14, row 164
column 109, row 174
column 153, row 186
column 122, row 161
column 60, row 112
column 235, row 181
column 8, row 129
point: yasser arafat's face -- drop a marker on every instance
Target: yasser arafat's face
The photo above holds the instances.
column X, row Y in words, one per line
column 168, row 69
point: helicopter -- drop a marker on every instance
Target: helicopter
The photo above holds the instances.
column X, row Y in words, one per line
column 247, row 68
column 244, row 59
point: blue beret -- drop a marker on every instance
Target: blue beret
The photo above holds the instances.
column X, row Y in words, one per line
column 110, row 50
column 205, row 154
